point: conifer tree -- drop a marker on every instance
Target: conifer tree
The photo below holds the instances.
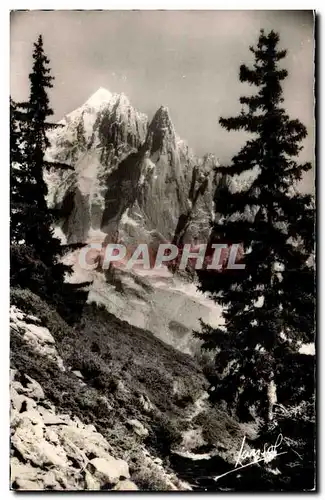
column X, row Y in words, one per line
column 16, row 173
column 35, row 218
column 35, row 252
column 268, row 307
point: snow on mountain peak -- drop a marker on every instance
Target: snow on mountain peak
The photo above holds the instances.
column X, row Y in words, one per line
column 100, row 97
column 123, row 98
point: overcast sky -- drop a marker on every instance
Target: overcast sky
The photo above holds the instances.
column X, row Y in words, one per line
column 186, row 60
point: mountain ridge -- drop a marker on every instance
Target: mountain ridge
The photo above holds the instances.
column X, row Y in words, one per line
column 120, row 160
column 133, row 182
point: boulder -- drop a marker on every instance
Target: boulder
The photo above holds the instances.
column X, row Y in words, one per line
column 146, row 403
column 108, row 470
column 20, row 401
column 85, row 440
column 38, row 334
column 12, row 374
column 34, row 389
column 50, row 480
column 91, row 482
column 50, row 418
column 138, row 428
column 32, row 318
column 20, row 470
column 18, row 387
column 51, row 435
column 28, row 440
column 27, row 485
column 30, row 388
column 36, row 419
column 126, row 485
column 38, row 337
column 90, row 428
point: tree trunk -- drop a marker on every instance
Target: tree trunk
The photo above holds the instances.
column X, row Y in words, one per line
column 272, row 398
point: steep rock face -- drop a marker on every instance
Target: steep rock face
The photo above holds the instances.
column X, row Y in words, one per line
column 133, row 182
column 130, row 180
column 69, row 432
column 95, row 139
column 163, row 186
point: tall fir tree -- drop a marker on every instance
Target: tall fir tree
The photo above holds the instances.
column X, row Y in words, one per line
column 35, row 251
column 16, row 173
column 268, row 307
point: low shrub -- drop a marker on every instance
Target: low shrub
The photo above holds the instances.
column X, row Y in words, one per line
column 164, row 434
column 149, row 480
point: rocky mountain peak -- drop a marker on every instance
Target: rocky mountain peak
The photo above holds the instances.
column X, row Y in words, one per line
column 162, row 121
column 161, row 132
column 162, row 115
column 122, row 164
column 101, row 96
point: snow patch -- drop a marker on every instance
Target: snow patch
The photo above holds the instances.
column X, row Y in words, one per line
column 58, row 233
column 128, row 220
column 89, row 120
column 141, row 180
column 190, row 290
column 193, row 456
column 259, row 302
column 242, row 182
column 307, row 349
column 96, row 235
column 100, row 97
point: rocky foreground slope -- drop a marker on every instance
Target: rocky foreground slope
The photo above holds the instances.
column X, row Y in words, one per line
column 105, row 405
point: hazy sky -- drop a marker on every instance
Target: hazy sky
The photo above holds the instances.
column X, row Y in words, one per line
column 186, row 60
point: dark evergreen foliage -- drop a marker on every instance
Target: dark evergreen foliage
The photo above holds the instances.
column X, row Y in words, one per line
column 17, row 173
column 269, row 305
column 35, row 252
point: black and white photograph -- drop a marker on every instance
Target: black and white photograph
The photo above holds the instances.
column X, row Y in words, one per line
column 163, row 251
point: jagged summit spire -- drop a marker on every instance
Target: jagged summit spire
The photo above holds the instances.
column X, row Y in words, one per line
column 162, row 121
column 163, row 109
column 161, row 132
column 122, row 99
column 162, row 116
column 101, row 96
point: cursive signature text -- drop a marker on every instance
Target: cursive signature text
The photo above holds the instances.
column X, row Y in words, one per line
column 257, row 455
column 266, row 455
